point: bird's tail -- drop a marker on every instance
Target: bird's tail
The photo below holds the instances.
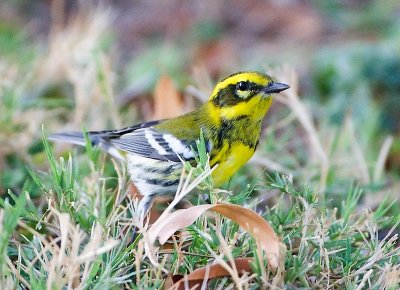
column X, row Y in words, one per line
column 77, row 138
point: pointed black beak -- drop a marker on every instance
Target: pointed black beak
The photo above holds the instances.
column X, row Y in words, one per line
column 275, row 88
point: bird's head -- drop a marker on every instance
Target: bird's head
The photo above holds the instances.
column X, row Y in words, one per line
column 244, row 94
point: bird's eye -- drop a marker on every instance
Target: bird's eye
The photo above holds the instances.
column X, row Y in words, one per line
column 242, row 86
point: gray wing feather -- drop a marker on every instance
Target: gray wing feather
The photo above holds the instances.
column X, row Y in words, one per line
column 150, row 143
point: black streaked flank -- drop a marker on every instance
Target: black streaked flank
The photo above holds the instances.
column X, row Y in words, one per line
column 160, row 170
column 169, row 170
column 162, row 182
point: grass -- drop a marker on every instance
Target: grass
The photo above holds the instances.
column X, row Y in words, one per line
column 82, row 237
column 67, row 219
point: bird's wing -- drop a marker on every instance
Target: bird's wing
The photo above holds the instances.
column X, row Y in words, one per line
column 142, row 139
column 150, row 143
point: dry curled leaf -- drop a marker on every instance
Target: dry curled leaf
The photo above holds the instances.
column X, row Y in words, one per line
column 249, row 220
column 209, row 272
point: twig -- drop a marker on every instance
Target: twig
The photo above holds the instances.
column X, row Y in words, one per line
column 382, row 157
column 291, row 99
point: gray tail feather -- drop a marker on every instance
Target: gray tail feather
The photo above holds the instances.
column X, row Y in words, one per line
column 77, row 138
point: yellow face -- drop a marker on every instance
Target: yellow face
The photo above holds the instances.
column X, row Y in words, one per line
column 244, row 94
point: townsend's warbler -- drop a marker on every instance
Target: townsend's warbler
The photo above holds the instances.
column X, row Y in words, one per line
column 230, row 122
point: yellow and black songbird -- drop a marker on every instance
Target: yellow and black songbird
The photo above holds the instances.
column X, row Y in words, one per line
column 231, row 124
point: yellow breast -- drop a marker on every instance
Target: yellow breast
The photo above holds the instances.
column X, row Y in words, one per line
column 229, row 160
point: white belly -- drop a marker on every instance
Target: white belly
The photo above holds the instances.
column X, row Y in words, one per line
column 154, row 177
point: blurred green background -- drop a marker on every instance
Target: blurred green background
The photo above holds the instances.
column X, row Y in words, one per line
column 69, row 65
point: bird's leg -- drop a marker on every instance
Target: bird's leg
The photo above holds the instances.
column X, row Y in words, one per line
column 145, row 205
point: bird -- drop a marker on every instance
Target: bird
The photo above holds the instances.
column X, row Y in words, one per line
column 230, row 121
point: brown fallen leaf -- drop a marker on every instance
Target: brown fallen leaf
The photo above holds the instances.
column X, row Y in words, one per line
column 207, row 273
column 167, row 100
column 169, row 282
column 249, row 220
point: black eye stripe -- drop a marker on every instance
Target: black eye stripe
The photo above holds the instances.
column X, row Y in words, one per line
column 249, row 86
column 232, row 94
